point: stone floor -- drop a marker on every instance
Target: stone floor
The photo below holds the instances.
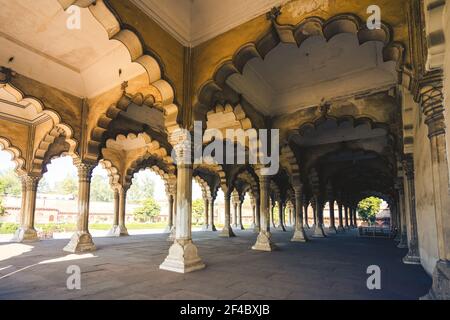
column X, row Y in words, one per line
column 127, row 268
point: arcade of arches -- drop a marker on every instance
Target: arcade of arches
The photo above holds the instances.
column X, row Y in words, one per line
column 360, row 112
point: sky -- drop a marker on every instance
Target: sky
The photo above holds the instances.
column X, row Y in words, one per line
column 59, row 168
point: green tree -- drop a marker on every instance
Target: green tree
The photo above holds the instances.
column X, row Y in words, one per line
column 2, row 208
column 369, row 208
column 142, row 187
column 10, row 183
column 68, row 186
column 100, row 189
column 198, row 210
column 149, row 210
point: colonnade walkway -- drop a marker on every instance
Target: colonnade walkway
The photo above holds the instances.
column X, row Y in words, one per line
column 128, row 268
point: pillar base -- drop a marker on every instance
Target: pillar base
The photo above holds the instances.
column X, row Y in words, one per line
column 340, row 229
column 319, row 232
column 282, row 227
column 332, row 230
column 172, row 235
column 80, row 242
column 234, row 225
column 306, row 226
column 299, row 236
column 440, row 289
column 25, row 235
column 240, row 227
column 264, row 242
column 411, row 258
column 118, row 231
column 212, row 227
column 256, row 229
column 227, row 232
column 403, row 242
column 168, row 229
column 183, row 258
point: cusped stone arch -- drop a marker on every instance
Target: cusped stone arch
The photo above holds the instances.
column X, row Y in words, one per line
column 16, row 155
column 289, row 162
column 58, row 130
column 164, row 97
column 113, row 173
column 204, row 186
column 213, row 90
column 214, row 169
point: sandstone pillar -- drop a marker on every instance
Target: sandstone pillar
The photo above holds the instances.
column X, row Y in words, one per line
column 341, row 221
column 413, row 256
column 403, row 233
column 212, row 226
column 171, row 201
column 240, row 225
column 227, row 231
column 299, row 233
column 264, row 241
column 206, row 224
column 27, row 232
column 281, row 215
column 318, row 213
column 183, row 255
column 432, row 103
column 305, row 210
column 257, row 228
column 81, row 241
column 346, row 216
column 332, row 228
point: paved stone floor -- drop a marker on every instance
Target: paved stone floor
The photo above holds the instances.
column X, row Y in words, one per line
column 127, row 268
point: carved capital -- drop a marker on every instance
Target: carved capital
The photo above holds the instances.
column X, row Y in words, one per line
column 432, row 104
column 84, row 171
column 30, row 182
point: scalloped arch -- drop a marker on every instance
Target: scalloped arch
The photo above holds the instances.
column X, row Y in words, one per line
column 16, row 155
column 210, row 92
column 132, row 42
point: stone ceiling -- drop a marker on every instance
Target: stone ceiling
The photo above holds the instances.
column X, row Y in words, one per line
column 195, row 21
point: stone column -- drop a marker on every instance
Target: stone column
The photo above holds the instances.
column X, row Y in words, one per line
column 318, row 229
column 264, row 241
column 235, row 212
column 350, row 217
column 314, row 207
column 172, row 235
column 257, row 228
column 227, row 231
column 332, row 228
column 183, row 255
column 281, row 215
column 305, row 210
column 81, row 241
column 413, row 256
column 346, row 217
column 206, row 224
column 272, row 209
column 122, row 212
column 240, row 225
column 171, row 201
column 341, row 221
column 355, row 216
column 432, row 104
column 253, row 214
column 212, row 226
column 299, row 233
column 403, row 236
column 27, row 232
column 113, row 231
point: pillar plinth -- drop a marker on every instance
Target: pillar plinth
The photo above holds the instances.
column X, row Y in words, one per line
column 264, row 240
column 183, row 258
column 81, row 241
column 26, row 231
